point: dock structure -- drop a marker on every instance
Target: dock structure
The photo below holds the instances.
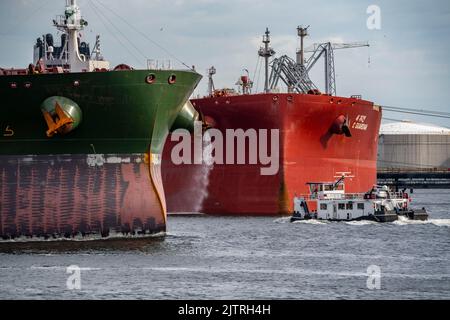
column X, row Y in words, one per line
column 415, row 178
column 414, row 155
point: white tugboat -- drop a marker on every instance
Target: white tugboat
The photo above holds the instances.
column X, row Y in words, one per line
column 329, row 201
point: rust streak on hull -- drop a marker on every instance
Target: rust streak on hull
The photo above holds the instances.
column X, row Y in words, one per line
column 65, row 196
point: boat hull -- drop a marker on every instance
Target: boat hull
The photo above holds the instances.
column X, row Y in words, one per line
column 104, row 177
column 309, row 150
column 382, row 218
column 48, row 197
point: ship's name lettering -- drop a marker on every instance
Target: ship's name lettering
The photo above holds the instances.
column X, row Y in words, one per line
column 361, row 118
column 360, row 124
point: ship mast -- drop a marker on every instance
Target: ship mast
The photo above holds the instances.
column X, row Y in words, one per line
column 71, row 23
column 72, row 55
column 266, row 52
column 302, row 33
column 211, row 72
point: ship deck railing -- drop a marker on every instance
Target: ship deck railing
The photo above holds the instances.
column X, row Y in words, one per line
column 159, row 64
column 352, row 196
column 413, row 170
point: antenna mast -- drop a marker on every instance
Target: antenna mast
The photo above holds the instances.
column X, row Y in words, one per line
column 211, row 72
column 266, row 52
column 302, row 33
column 71, row 23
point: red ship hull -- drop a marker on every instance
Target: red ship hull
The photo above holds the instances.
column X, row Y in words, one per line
column 311, row 148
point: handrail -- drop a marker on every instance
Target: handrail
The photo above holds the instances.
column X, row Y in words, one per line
column 413, row 170
column 348, row 196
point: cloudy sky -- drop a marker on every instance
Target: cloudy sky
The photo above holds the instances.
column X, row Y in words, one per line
column 407, row 64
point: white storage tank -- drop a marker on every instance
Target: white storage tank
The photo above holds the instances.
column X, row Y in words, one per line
column 413, row 146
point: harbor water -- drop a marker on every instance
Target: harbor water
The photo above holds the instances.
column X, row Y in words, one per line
column 205, row 257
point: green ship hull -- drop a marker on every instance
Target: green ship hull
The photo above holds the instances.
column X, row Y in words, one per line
column 103, row 176
column 121, row 112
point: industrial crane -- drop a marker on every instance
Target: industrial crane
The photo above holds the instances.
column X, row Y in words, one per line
column 295, row 74
column 327, row 50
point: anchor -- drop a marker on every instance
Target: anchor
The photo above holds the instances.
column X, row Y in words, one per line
column 58, row 122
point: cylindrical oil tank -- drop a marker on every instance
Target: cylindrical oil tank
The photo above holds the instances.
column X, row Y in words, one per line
column 408, row 145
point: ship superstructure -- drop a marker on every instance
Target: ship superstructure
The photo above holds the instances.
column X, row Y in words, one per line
column 72, row 54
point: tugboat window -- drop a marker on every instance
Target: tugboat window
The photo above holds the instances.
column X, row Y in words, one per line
column 341, row 206
column 360, row 206
column 323, row 206
column 349, row 206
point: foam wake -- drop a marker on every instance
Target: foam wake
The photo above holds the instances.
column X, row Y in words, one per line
column 403, row 221
column 317, row 222
column 282, row 220
column 361, row 223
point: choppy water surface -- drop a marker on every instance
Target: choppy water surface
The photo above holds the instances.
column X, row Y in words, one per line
column 248, row 258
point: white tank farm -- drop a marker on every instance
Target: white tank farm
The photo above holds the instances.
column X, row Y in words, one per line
column 409, row 145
